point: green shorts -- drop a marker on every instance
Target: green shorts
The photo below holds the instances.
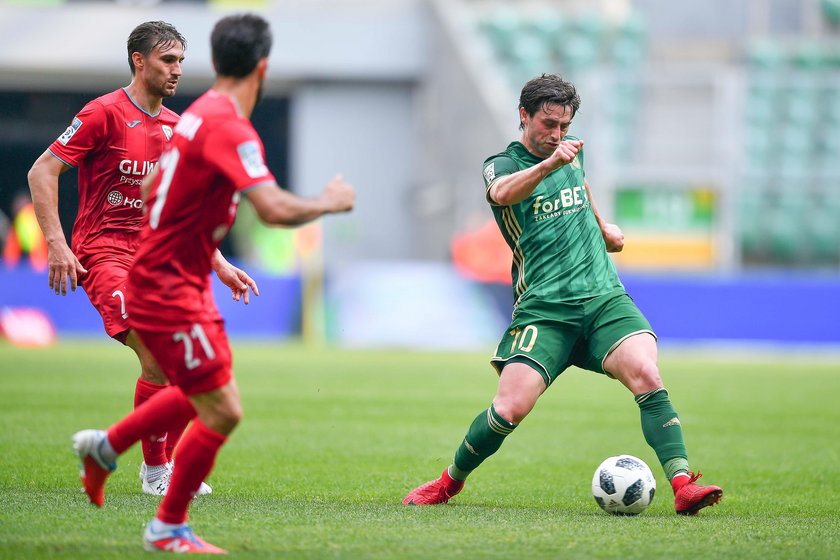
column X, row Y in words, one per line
column 553, row 336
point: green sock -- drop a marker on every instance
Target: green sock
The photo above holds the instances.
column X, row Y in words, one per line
column 663, row 431
column 485, row 436
column 675, row 466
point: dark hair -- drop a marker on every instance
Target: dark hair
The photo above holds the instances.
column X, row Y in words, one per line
column 548, row 89
column 238, row 42
column 149, row 35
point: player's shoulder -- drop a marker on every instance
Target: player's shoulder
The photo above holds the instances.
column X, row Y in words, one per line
column 102, row 103
column 112, row 99
column 167, row 115
column 213, row 107
column 226, row 119
column 508, row 153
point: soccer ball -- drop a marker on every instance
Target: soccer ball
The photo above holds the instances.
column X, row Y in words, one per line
column 623, row 485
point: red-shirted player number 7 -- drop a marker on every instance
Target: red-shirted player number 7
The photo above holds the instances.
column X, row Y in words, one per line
column 197, row 333
column 168, row 162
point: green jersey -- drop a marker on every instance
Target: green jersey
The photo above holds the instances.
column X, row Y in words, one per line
column 558, row 251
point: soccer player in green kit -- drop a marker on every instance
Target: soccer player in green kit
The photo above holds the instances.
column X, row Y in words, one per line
column 570, row 306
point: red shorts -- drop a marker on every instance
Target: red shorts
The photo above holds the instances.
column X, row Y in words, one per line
column 197, row 359
column 105, row 286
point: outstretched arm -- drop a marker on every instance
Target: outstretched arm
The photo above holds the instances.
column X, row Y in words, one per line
column 613, row 237
column 43, row 184
column 276, row 206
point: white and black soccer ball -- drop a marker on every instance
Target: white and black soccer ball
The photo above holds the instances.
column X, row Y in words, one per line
column 623, row 485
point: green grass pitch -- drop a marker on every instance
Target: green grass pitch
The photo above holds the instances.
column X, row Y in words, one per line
column 332, row 440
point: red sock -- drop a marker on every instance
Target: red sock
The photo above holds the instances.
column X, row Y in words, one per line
column 196, row 456
column 168, row 408
column 154, row 447
column 172, row 440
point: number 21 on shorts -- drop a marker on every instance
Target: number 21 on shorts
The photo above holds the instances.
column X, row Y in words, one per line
column 524, row 338
column 196, row 333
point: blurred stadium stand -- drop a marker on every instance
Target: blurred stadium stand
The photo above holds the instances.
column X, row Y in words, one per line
column 713, row 141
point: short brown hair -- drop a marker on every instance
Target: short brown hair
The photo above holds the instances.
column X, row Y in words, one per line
column 148, row 35
column 548, row 89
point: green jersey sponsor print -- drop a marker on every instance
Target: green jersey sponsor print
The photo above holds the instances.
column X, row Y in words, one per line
column 558, row 251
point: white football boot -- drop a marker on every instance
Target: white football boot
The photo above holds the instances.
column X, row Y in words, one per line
column 160, row 485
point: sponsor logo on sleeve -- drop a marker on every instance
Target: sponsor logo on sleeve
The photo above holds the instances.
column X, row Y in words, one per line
column 252, row 159
column 490, row 173
column 71, row 130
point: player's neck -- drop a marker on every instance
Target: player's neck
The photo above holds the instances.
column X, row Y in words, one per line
column 242, row 91
column 141, row 96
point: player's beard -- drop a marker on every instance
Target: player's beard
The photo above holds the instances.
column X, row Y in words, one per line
column 164, row 92
column 260, row 91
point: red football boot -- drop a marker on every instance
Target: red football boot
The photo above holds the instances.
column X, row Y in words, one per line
column 437, row 491
column 94, row 469
column 689, row 498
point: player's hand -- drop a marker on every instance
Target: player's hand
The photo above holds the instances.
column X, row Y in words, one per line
column 63, row 265
column 565, row 152
column 338, row 195
column 238, row 281
column 613, row 238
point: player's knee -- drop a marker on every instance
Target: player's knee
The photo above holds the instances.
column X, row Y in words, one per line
column 223, row 420
column 646, row 377
column 231, row 415
column 152, row 375
column 649, row 373
column 512, row 410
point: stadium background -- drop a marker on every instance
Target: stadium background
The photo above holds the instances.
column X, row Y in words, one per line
column 711, row 130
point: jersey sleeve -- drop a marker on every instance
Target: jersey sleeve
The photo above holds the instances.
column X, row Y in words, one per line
column 494, row 168
column 240, row 156
column 580, row 160
column 84, row 135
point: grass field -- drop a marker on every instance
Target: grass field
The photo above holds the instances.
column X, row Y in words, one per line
column 332, row 441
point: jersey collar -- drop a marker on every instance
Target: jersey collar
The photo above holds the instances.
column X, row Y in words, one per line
column 141, row 109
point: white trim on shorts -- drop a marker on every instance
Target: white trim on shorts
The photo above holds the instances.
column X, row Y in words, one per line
column 618, row 342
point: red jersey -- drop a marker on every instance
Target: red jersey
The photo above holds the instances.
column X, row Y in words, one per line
column 215, row 154
column 114, row 144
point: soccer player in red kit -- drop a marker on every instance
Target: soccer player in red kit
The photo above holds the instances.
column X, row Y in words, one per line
column 114, row 141
column 214, row 158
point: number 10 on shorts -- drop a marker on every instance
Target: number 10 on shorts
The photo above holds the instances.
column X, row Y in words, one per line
column 524, row 339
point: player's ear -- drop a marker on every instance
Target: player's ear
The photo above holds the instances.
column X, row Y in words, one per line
column 139, row 61
column 262, row 68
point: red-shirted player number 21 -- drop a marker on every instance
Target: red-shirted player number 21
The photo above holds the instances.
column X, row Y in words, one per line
column 168, row 162
column 197, row 333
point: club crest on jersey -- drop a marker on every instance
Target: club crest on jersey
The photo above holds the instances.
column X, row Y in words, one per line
column 575, row 163
column 252, row 159
column 167, row 131
column 71, row 130
column 490, row 172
